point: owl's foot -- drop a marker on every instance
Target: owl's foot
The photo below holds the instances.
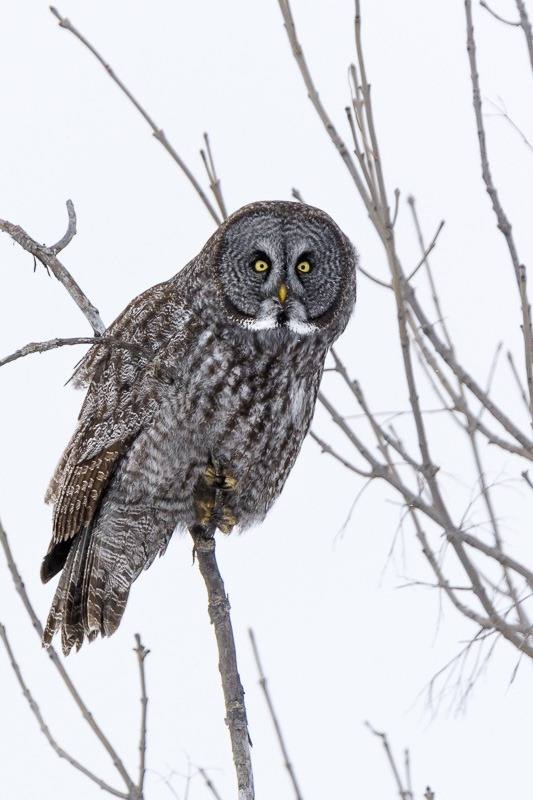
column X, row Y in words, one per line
column 225, row 520
column 211, row 494
column 218, row 477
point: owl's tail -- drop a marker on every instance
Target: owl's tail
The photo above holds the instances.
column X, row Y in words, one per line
column 85, row 603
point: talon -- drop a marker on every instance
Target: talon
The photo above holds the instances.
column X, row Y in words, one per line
column 226, row 521
column 211, row 475
column 205, row 508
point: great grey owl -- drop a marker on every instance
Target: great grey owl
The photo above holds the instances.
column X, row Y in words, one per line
column 211, row 394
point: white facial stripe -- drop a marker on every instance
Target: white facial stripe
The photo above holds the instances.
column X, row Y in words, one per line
column 301, row 327
column 266, row 324
column 270, row 323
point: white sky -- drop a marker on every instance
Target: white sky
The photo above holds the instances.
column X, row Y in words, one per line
column 340, row 641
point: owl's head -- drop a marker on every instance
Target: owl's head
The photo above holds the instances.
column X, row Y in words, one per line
column 284, row 266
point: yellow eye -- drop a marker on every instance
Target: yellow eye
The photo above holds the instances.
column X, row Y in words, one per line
column 304, row 267
column 261, row 265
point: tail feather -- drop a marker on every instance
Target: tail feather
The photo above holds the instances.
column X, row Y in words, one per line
column 104, row 560
column 84, row 605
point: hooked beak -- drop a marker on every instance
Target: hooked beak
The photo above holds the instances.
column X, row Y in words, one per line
column 282, row 294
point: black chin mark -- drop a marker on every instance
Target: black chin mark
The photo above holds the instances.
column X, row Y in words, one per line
column 282, row 317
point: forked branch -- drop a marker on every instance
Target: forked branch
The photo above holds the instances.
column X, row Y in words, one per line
column 48, row 257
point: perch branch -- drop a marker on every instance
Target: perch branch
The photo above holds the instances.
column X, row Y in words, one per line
column 219, row 614
column 141, row 653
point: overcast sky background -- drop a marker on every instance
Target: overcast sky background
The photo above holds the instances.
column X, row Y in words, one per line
column 340, row 641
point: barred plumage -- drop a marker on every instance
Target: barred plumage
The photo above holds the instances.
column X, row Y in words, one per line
column 211, row 398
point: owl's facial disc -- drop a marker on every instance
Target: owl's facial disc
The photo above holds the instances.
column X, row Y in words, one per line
column 280, row 271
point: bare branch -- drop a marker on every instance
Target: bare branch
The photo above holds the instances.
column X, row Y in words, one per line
column 464, row 377
column 47, row 257
column 209, row 783
column 459, row 400
column 405, row 794
column 434, row 295
column 497, row 16
column 407, row 763
column 373, row 278
column 58, row 664
column 214, row 181
column 516, row 376
column 501, row 112
column 52, row 344
column 315, row 99
column 275, row 720
column 157, row 132
column 503, row 223
column 142, row 652
column 427, row 251
column 204, row 549
column 70, row 233
column 327, row 448
column 44, row 728
column 526, row 27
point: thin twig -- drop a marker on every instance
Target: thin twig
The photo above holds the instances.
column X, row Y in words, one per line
column 373, row 278
column 315, row 99
column 404, row 793
column 464, row 377
column 142, row 652
column 426, row 252
column 214, row 180
column 503, row 223
column 497, row 16
column 44, row 727
column 47, row 257
column 504, row 115
column 157, row 132
column 526, row 27
column 52, row 344
column 407, row 762
column 434, row 295
column 275, row 721
column 209, row 783
column 516, row 376
column 56, row 661
column 459, row 400
column 327, row 448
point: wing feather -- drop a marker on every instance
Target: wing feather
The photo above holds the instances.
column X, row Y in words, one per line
column 126, row 387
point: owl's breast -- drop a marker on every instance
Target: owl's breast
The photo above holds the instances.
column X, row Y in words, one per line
column 250, row 409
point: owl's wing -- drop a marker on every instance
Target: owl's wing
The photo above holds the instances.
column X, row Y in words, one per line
column 126, row 384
